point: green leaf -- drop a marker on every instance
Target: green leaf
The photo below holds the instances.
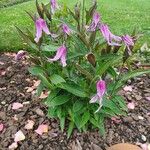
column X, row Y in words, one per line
column 59, row 100
column 56, row 79
column 45, row 81
column 62, row 123
column 112, row 72
column 129, row 75
column 111, row 105
column 103, row 66
column 101, row 126
column 39, row 89
column 78, row 105
column 70, row 129
column 51, row 96
column 27, row 39
column 52, row 112
column 49, row 48
column 36, row 70
column 61, row 117
column 120, row 100
column 74, row 89
column 85, row 119
column 94, row 122
column 84, row 72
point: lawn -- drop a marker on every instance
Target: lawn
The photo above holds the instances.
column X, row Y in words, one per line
column 121, row 15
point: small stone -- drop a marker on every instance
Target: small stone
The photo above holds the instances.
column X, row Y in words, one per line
column 127, row 119
column 39, row 112
column 143, row 138
column 141, row 118
column 3, row 103
column 3, row 115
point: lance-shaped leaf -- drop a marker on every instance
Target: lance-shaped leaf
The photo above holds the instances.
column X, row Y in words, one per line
column 84, row 72
column 47, row 13
column 39, row 9
column 129, row 75
column 33, row 17
column 27, row 39
column 74, row 89
column 103, row 66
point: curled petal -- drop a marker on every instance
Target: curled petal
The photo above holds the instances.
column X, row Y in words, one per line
column 128, row 40
column 66, row 29
column 38, row 31
column 44, row 27
column 95, row 22
column 59, row 54
column 63, row 59
column 94, row 99
column 109, row 37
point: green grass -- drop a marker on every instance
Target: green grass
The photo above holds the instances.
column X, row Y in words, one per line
column 121, row 15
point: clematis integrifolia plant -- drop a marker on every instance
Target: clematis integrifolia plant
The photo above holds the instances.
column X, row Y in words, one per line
column 73, row 37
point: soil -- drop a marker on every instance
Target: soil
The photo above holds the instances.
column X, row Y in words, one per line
column 15, row 78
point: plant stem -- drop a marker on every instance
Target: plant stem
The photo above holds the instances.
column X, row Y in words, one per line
column 83, row 8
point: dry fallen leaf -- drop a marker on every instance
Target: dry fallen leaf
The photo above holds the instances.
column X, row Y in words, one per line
column 116, row 120
column 36, row 84
column 131, row 105
column 16, row 106
column 127, row 88
column 13, row 146
column 19, row 136
column 1, row 63
column 1, row 127
column 42, row 129
column 43, row 95
column 29, row 125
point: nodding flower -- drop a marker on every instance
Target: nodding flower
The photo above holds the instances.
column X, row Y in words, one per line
column 41, row 26
column 54, row 6
column 111, row 39
column 66, row 29
column 95, row 22
column 98, row 97
column 60, row 54
column 128, row 41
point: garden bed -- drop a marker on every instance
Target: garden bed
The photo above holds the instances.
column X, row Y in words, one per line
column 14, row 83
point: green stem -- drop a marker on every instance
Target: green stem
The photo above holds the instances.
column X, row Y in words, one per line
column 83, row 8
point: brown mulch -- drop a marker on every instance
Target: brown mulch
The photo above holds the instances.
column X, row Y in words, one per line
column 134, row 128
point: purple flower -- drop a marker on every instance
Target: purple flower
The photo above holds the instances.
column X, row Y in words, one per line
column 61, row 54
column 66, row 29
column 101, row 90
column 128, row 41
column 109, row 37
column 54, row 5
column 20, row 55
column 95, row 22
column 41, row 26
